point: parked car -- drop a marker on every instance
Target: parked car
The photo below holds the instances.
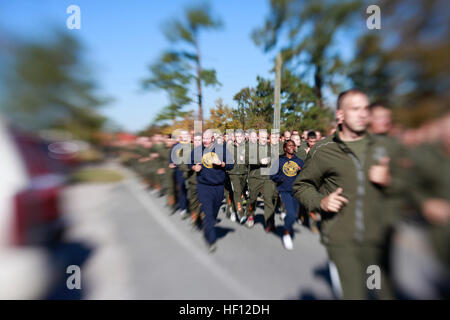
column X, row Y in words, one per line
column 31, row 220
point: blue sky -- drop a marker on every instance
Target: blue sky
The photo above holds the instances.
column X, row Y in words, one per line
column 123, row 37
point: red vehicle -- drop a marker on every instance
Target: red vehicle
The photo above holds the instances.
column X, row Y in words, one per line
column 31, row 219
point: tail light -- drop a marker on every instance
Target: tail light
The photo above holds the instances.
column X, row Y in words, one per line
column 37, row 208
column 35, row 211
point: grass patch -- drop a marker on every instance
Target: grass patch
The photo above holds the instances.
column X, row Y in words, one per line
column 96, row 176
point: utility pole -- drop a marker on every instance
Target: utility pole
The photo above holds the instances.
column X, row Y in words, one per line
column 276, row 109
column 276, row 120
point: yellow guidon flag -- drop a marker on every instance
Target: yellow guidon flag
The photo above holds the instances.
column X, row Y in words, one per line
column 209, row 158
column 290, row 168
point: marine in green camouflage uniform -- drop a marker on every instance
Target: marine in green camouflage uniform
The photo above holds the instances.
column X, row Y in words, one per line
column 301, row 153
column 140, row 162
column 425, row 178
column 169, row 176
column 190, row 177
column 229, row 211
column 159, row 163
column 355, row 236
column 259, row 182
column 238, row 175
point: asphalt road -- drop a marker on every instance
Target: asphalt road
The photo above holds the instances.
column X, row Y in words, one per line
column 137, row 250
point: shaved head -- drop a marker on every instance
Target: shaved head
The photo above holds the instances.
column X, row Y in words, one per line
column 208, row 137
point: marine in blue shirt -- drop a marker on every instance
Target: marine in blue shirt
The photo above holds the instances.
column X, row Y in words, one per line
column 289, row 166
column 211, row 161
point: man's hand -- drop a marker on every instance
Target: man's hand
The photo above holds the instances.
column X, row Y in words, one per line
column 334, row 201
column 172, row 166
column 379, row 174
column 436, row 211
column 154, row 155
column 216, row 161
column 197, row 167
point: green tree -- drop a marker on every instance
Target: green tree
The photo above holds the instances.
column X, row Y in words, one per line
column 368, row 70
column 222, row 117
column 307, row 30
column 298, row 108
column 49, row 86
column 181, row 69
column 298, row 105
column 255, row 105
column 406, row 61
column 171, row 74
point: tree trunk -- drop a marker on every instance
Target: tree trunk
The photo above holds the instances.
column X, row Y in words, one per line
column 318, row 84
column 277, row 93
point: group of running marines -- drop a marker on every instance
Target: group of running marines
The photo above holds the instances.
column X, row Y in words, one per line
column 355, row 186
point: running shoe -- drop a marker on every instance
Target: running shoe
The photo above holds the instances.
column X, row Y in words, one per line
column 287, row 242
column 212, row 247
column 270, row 227
column 183, row 214
column 250, row 222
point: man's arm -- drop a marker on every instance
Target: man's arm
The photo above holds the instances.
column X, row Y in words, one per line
column 277, row 177
column 302, row 154
column 307, row 184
